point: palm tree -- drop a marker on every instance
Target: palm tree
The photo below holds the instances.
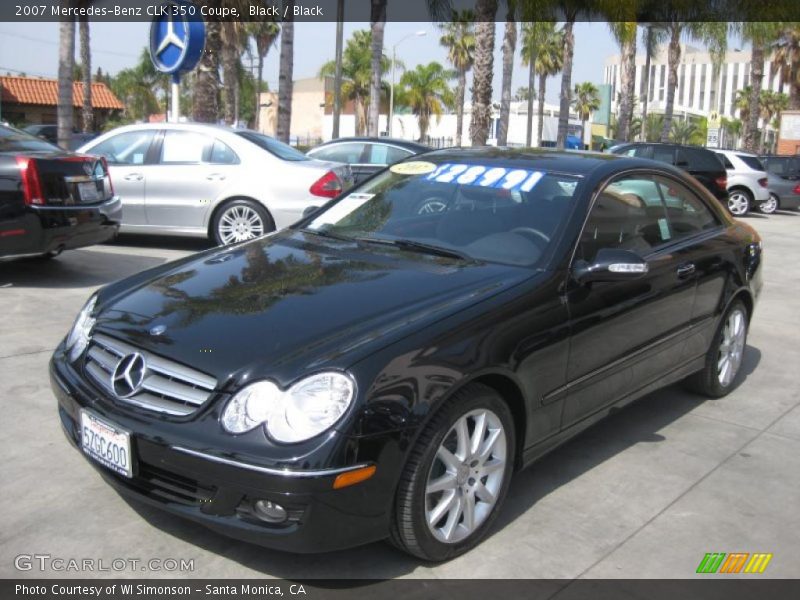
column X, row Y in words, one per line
column 733, row 130
column 426, row 92
column 772, row 104
column 625, row 32
column 534, row 40
column 509, row 47
column 485, row 12
column 586, row 100
column 66, row 63
column 205, row 108
column 652, row 127
column 87, row 114
column 549, row 61
column 683, row 131
column 459, row 39
column 285, row 74
column 264, row 34
column 786, row 61
column 378, row 20
column 760, row 35
column 741, row 102
column 653, row 38
column 356, row 72
column 233, row 38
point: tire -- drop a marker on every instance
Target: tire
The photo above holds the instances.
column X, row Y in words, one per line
column 240, row 220
column 710, row 381
column 739, row 202
column 416, row 530
column 771, row 205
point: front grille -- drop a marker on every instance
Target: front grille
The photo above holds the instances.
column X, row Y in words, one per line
column 167, row 387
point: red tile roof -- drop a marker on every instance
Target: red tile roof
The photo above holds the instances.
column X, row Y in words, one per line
column 29, row 90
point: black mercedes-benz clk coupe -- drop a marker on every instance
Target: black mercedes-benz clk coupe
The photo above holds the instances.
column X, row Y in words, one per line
column 379, row 370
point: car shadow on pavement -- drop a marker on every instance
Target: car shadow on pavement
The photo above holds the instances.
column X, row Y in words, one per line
column 639, row 422
column 74, row 269
column 163, row 242
column 787, row 212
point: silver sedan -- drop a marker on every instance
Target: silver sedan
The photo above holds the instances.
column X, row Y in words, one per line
column 206, row 180
column 783, row 194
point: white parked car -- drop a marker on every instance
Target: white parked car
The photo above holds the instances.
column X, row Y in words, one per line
column 748, row 187
column 208, row 180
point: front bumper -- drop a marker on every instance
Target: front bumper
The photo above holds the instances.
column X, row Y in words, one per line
column 218, row 491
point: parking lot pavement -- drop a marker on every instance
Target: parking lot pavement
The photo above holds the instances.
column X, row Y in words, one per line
column 646, row 493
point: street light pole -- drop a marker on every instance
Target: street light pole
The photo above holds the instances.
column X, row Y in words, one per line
column 391, row 86
column 337, row 78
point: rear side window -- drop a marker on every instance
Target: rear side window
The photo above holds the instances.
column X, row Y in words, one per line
column 273, row 146
column 379, row 154
column 701, row 159
column 751, row 161
column 129, row 148
column 14, row 140
column 344, row 153
column 665, row 154
column 221, row 154
column 687, row 214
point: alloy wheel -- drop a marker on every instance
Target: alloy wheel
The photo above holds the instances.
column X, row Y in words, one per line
column 466, row 476
column 770, row 206
column 239, row 223
column 731, row 348
column 738, row 203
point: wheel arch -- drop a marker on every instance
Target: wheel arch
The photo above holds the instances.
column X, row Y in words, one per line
column 220, row 204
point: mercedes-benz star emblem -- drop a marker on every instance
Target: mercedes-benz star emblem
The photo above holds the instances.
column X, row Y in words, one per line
column 158, row 329
column 171, row 39
column 128, row 375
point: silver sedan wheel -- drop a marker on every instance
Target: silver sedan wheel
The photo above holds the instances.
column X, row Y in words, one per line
column 466, row 476
column 738, row 203
column 731, row 348
column 239, row 223
column 770, row 206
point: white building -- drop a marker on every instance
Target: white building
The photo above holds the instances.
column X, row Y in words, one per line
column 698, row 92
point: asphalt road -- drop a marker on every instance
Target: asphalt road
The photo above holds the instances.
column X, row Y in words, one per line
column 646, row 493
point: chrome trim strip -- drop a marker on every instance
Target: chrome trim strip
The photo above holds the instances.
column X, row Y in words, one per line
column 268, row 470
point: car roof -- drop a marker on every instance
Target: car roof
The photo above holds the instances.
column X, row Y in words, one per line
column 378, row 140
column 184, row 126
column 735, row 152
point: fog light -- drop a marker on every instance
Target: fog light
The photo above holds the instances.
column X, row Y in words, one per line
column 269, row 511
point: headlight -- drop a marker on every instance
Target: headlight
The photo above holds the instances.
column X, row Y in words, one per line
column 306, row 409
column 78, row 337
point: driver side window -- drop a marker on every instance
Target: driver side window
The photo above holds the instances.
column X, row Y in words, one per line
column 628, row 214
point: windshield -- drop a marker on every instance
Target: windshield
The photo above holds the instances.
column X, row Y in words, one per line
column 14, row 140
column 492, row 212
column 273, row 146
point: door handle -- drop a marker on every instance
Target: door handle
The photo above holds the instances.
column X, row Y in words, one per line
column 215, row 176
column 133, row 177
column 685, row 270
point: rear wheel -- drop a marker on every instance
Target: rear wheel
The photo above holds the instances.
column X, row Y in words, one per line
column 724, row 357
column 240, row 220
column 456, row 477
column 770, row 206
column 739, row 201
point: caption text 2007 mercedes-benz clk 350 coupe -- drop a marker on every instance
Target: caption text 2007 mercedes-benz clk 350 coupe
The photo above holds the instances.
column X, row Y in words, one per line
column 382, row 367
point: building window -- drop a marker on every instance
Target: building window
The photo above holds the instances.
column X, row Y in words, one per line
column 734, row 87
column 681, row 85
column 702, row 103
column 652, row 82
column 661, row 82
column 691, row 85
column 642, row 78
column 723, row 88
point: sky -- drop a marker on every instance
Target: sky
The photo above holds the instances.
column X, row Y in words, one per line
column 33, row 49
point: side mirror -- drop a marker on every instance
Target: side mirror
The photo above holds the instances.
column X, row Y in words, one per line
column 611, row 265
column 310, row 210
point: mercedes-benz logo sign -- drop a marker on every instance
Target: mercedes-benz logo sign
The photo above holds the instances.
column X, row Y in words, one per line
column 128, row 375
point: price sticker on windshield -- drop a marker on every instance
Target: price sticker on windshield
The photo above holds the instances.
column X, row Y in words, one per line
column 514, row 180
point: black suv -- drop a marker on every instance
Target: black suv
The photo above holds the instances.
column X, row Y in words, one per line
column 787, row 167
column 701, row 163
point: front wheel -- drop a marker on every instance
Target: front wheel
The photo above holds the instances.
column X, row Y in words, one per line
column 239, row 221
column 456, row 477
column 770, row 206
column 739, row 202
column 724, row 357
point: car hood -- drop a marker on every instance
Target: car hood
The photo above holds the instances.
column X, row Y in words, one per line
column 293, row 302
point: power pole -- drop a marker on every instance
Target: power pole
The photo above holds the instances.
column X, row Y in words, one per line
column 337, row 80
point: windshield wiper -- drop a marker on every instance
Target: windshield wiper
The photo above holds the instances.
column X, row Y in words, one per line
column 416, row 246
column 327, row 234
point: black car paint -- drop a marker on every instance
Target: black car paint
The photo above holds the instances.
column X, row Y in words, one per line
column 412, row 329
column 363, row 169
column 61, row 223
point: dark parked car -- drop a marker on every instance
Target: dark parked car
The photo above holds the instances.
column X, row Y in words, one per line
column 374, row 372
column 784, row 194
column 367, row 155
column 50, row 133
column 51, row 200
column 787, row 167
column 703, row 164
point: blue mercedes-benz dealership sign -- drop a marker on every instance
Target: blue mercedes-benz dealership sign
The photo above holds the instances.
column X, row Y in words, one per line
column 177, row 37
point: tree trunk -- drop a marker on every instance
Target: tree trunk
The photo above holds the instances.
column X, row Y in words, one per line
column 378, row 18
column 482, row 71
column 66, row 64
column 754, row 104
column 540, row 117
column 794, row 84
column 509, row 46
column 259, row 83
column 531, row 81
column 87, row 114
column 566, row 84
column 462, row 86
column 205, row 107
column 646, row 82
column 672, row 66
column 628, row 85
column 285, row 77
column 230, row 75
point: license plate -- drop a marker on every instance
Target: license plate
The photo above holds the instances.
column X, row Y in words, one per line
column 88, row 191
column 106, row 443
